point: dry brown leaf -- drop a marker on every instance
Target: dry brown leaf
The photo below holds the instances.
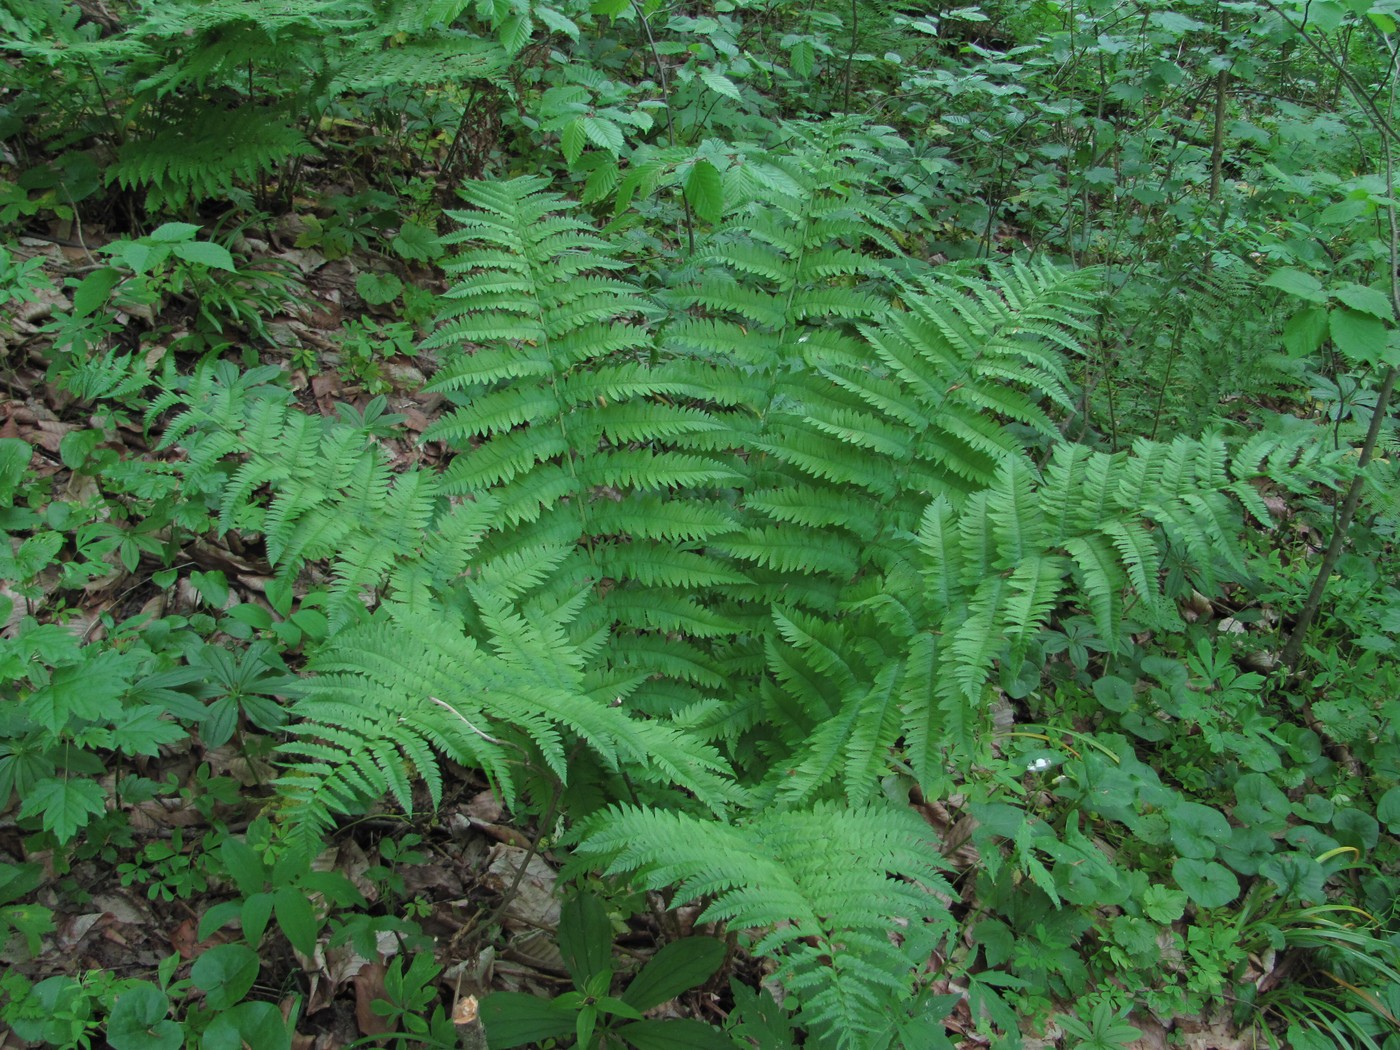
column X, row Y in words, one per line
column 1154, row 1033
column 369, row 986
column 533, row 905
column 71, row 930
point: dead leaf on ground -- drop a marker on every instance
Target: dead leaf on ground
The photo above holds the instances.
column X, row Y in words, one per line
column 1154, row 1033
column 369, row 986
column 533, row 905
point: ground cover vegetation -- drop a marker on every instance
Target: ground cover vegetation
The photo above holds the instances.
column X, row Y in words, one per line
column 747, row 524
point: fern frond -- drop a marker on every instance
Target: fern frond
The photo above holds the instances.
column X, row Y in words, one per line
column 193, row 156
column 395, row 688
column 816, row 885
column 450, row 58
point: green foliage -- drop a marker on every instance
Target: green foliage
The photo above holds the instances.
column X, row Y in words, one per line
column 397, row 689
column 832, row 493
column 1103, row 1031
column 755, row 552
column 818, row 886
column 591, row 1013
column 204, row 101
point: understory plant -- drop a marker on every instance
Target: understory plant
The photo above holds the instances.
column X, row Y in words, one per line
column 890, row 546
column 756, row 556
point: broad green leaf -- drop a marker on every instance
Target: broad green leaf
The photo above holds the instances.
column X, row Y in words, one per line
column 219, row 916
column 312, row 621
column 602, row 133
column 225, row 973
column 616, row 1007
column 1113, row 693
column 279, row 595
column 64, row 806
column 610, row 8
column 1208, row 884
column 1324, row 15
column 254, row 616
column 677, row 967
column 1197, row 829
column 704, row 191
column 1297, row 876
column 416, row 243
column 1163, row 904
column 1175, row 22
column 803, row 59
column 1301, row 1037
column 1305, row 331
column 254, row 916
column 142, row 731
column 20, row 771
column 720, row 84
column 572, row 140
column 1345, row 213
column 139, row 1021
column 296, row 918
column 76, row 446
column 1360, row 337
column 19, row 880
column 1354, row 827
column 585, row 1022
column 514, row 33
column 674, row 1034
column 212, row 587
column 557, row 22
column 172, row 233
column 1366, row 300
column 1297, row 283
column 15, row 454
column 602, row 180
column 220, row 720
column 204, row 253
column 242, row 862
column 94, row 290
column 143, row 258
column 585, row 938
column 90, row 691
column 516, row 1019
column 248, row 1025
column 378, row 288
column 1388, row 810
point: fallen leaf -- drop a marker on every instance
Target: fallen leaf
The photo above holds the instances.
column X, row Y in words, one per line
column 369, row 986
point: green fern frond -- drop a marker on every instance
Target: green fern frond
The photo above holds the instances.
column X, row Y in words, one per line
column 393, row 690
column 816, row 885
column 996, row 569
column 449, row 58
column 197, row 157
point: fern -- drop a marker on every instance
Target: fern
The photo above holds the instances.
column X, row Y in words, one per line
column 1208, row 339
column 394, row 693
column 1102, row 526
column 203, row 99
column 819, row 889
column 563, row 423
column 924, row 402
column 316, row 488
column 790, row 519
column 191, row 155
